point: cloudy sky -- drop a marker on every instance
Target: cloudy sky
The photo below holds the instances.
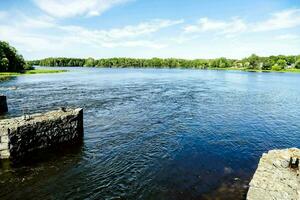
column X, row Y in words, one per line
column 151, row 28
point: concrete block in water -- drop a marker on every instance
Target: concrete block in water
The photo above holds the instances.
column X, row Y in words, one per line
column 3, row 104
column 19, row 137
column 277, row 176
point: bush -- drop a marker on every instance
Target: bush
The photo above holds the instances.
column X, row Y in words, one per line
column 276, row 67
column 28, row 67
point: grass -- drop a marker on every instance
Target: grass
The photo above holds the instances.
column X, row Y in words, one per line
column 292, row 70
column 44, row 71
column 256, row 70
column 8, row 75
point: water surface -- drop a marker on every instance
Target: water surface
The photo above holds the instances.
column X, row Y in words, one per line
column 155, row 133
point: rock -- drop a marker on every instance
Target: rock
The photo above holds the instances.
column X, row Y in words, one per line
column 20, row 137
column 294, row 163
column 3, row 104
column 276, row 177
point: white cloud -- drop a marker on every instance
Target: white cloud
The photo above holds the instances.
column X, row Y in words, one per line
column 41, row 22
column 287, row 37
column 135, row 43
column 233, row 26
column 132, row 31
column 280, row 20
column 70, row 8
column 45, row 34
column 142, row 28
column 128, row 36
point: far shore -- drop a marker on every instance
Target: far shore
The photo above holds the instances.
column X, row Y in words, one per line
column 292, row 70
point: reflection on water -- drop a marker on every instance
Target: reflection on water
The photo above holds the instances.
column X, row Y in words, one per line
column 155, row 134
column 6, row 78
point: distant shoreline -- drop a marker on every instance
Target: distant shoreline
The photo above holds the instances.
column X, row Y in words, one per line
column 190, row 68
column 252, row 63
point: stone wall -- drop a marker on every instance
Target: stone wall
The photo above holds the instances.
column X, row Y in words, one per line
column 3, row 104
column 275, row 177
column 19, row 137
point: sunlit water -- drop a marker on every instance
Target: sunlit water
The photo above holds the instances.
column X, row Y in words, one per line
column 155, row 133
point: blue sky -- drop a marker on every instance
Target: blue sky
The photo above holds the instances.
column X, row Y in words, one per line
column 151, row 28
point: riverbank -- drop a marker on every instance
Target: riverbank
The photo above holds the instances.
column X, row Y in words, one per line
column 7, row 75
column 256, row 70
column 292, row 70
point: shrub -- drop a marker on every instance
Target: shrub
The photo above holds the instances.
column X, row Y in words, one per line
column 28, row 67
column 276, row 67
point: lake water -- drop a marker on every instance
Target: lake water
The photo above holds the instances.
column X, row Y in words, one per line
column 155, row 133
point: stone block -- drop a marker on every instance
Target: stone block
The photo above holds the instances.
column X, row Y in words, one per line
column 20, row 137
column 275, row 178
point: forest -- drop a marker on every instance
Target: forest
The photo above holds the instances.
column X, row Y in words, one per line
column 253, row 62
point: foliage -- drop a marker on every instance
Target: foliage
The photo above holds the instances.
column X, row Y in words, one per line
column 28, row 67
column 10, row 60
column 277, row 67
column 253, row 62
column 90, row 62
column 297, row 64
column 282, row 63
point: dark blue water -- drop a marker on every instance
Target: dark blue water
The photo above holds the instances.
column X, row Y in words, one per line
column 155, row 133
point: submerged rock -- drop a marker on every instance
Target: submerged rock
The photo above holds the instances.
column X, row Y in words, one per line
column 276, row 177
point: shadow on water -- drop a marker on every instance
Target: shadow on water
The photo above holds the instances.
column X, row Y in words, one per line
column 6, row 78
column 37, row 167
column 45, row 156
column 50, row 154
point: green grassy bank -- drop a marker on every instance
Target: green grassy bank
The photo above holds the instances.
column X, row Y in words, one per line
column 256, row 70
column 8, row 75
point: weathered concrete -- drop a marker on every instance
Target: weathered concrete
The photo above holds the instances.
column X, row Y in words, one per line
column 19, row 137
column 3, row 104
column 275, row 177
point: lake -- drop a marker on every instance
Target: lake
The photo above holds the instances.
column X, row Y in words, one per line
column 155, row 133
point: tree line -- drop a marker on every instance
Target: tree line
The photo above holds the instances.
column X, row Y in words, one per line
column 252, row 62
column 11, row 61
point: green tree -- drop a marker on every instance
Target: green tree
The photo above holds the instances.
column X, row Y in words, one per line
column 10, row 60
column 281, row 63
column 297, row 64
column 267, row 64
column 254, row 62
column 90, row 62
column 4, row 64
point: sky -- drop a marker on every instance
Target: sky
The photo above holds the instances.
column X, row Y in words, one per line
column 151, row 28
